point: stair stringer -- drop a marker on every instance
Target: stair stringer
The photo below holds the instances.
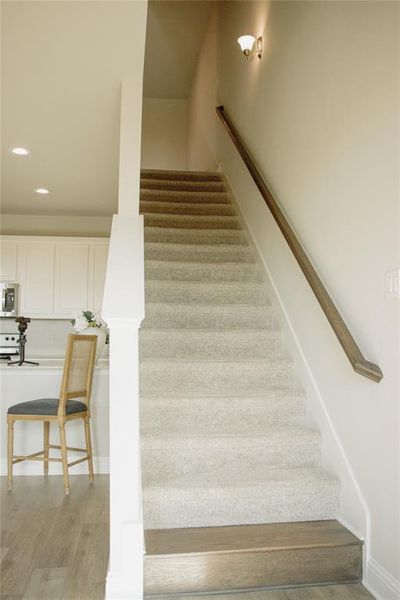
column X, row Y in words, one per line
column 354, row 512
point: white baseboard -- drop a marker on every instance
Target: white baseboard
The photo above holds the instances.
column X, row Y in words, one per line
column 381, row 584
column 101, row 465
column 125, row 580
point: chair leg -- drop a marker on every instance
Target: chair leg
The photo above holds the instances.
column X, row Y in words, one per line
column 46, row 440
column 63, row 444
column 89, row 450
column 10, row 453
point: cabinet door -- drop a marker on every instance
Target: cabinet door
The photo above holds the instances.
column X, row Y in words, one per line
column 8, row 261
column 37, row 279
column 71, row 279
column 98, row 255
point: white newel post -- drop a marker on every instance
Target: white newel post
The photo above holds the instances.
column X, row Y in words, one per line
column 123, row 310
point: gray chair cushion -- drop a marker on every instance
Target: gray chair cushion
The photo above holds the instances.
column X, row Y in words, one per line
column 45, row 406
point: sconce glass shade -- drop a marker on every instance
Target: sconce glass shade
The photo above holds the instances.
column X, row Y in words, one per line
column 246, row 42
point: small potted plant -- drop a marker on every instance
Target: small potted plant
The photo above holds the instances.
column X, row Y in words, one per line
column 88, row 323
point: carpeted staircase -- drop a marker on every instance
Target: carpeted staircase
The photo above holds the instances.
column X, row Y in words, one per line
column 223, row 434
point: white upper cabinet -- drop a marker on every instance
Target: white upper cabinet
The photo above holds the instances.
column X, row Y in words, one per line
column 8, row 261
column 98, row 255
column 58, row 276
column 71, row 279
column 36, row 279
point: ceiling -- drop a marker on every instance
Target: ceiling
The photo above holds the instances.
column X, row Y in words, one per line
column 175, row 31
column 62, row 66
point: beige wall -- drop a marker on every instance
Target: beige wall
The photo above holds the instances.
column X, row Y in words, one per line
column 164, row 134
column 319, row 113
column 202, row 124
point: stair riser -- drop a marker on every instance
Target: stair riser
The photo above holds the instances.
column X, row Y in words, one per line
column 213, row 378
column 204, row 507
column 202, row 253
column 207, row 317
column 190, row 420
column 184, row 186
column 194, row 222
column 181, row 208
column 243, row 570
column 236, row 457
column 205, row 294
column 213, row 344
column 170, row 271
column 233, row 237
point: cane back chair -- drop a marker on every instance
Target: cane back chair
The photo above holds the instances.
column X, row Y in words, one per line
column 76, row 383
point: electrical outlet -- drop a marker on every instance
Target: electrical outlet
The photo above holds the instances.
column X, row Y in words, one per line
column 392, row 284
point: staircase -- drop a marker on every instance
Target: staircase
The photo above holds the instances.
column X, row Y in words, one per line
column 224, row 443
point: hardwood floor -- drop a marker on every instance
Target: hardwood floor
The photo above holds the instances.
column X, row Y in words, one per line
column 55, row 547
column 330, row 592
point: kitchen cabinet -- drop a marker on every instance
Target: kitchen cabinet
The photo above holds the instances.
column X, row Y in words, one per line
column 71, row 278
column 36, row 279
column 8, row 261
column 98, row 255
column 58, row 276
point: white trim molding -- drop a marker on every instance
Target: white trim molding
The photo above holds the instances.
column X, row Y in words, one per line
column 381, row 584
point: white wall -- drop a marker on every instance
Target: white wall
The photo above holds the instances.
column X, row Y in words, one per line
column 319, row 114
column 164, row 134
column 202, row 124
column 45, row 337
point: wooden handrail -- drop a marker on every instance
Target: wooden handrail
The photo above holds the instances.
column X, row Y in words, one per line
column 353, row 352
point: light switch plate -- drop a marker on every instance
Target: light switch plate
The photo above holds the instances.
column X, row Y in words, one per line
column 392, row 284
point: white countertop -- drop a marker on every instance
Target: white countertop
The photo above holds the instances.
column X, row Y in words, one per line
column 45, row 363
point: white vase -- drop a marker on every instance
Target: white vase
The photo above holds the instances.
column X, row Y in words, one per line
column 101, row 338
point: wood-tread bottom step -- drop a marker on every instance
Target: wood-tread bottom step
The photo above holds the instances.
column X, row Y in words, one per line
column 245, row 557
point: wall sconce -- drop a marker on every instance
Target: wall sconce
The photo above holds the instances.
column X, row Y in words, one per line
column 251, row 46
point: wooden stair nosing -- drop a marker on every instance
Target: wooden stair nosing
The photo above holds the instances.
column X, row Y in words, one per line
column 233, row 558
column 239, row 538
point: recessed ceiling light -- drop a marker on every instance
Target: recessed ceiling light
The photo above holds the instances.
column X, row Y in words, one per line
column 20, row 151
column 42, row 191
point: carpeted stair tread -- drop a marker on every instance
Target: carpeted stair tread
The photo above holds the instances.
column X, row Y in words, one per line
column 199, row 377
column 279, row 447
column 195, row 236
column 206, row 253
column 178, row 208
column 209, row 343
column 191, row 221
column 216, row 414
column 189, row 292
column 162, row 270
column 185, row 199
column 207, row 316
column 280, row 495
column 182, row 185
column 180, row 175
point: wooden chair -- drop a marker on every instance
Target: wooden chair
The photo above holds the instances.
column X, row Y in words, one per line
column 76, row 383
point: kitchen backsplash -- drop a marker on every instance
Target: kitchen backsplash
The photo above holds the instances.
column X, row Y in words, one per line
column 45, row 337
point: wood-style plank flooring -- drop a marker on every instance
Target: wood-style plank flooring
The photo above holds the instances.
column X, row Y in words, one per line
column 330, row 592
column 55, row 547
